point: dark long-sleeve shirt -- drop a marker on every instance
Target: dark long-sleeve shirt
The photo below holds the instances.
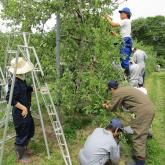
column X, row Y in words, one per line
column 22, row 93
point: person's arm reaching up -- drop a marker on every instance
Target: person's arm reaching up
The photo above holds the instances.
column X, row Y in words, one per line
column 109, row 19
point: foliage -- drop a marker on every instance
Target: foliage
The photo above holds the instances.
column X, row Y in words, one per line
column 87, row 48
column 73, row 124
column 27, row 14
column 151, row 31
column 3, row 43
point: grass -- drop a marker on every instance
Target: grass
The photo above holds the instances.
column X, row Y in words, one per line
column 78, row 127
column 156, row 146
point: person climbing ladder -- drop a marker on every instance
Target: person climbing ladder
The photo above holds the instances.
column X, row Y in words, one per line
column 125, row 30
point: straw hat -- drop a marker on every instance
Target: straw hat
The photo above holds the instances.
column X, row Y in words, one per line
column 22, row 66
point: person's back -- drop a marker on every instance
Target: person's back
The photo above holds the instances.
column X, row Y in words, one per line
column 134, row 76
column 142, row 89
column 140, row 56
column 132, row 99
column 97, row 147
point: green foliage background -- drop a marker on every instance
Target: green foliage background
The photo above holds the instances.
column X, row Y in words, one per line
column 151, row 31
column 87, row 48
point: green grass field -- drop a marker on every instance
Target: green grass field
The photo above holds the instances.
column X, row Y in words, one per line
column 76, row 134
column 156, row 147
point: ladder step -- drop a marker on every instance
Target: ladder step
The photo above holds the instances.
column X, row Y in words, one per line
column 58, row 129
column 3, row 101
column 62, row 144
column 12, row 51
column 49, row 106
column 8, row 137
column 67, row 156
column 59, row 134
column 44, row 90
column 52, row 114
column 36, row 70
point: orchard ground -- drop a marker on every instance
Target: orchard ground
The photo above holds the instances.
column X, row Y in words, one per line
column 79, row 127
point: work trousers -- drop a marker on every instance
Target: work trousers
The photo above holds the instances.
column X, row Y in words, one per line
column 142, row 71
column 24, row 127
column 125, row 52
column 140, row 126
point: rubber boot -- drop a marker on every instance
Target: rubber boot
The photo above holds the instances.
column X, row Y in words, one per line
column 28, row 151
column 140, row 162
column 137, row 162
column 20, row 150
column 130, row 163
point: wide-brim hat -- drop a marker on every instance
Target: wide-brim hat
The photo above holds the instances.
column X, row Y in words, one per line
column 22, row 66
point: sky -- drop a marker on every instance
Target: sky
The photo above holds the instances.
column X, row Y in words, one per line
column 139, row 8
column 142, row 8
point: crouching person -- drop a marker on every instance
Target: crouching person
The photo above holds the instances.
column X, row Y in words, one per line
column 21, row 102
column 101, row 147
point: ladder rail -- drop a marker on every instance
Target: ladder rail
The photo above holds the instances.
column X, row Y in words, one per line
column 58, row 120
column 3, row 77
column 8, row 110
column 41, row 119
column 54, row 125
column 27, row 56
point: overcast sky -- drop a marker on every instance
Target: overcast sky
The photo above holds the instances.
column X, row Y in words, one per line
column 139, row 8
column 143, row 8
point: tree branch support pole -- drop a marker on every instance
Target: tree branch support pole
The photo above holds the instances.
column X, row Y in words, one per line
column 58, row 69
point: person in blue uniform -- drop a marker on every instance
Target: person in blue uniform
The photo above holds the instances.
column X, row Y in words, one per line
column 21, row 102
column 125, row 32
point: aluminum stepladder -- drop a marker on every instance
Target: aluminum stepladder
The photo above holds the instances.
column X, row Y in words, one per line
column 37, row 74
column 3, row 101
column 48, row 101
column 7, row 111
column 2, row 86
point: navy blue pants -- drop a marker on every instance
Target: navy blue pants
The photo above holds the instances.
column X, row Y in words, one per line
column 125, row 52
column 24, row 127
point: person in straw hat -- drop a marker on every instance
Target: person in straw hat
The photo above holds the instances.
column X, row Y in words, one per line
column 21, row 102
